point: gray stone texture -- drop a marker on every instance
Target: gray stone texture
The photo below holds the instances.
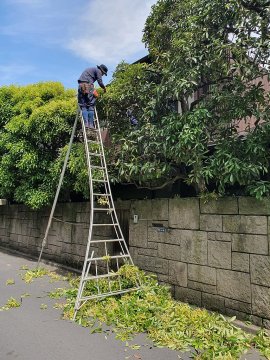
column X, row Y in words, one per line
column 213, row 302
column 194, row 247
column 191, row 247
column 238, row 314
column 219, row 236
column 138, row 234
column 220, row 206
column 252, row 206
column 254, row 244
column 134, row 254
column 245, row 224
column 152, row 245
column 171, row 252
column 238, row 305
column 203, row 274
column 219, row 254
column 234, row 285
column 188, row 295
column 142, row 208
column 211, row 289
column 256, row 320
column 261, row 301
column 184, row 213
column 178, row 273
column 211, row 222
column 240, row 261
column 266, row 323
column 147, row 252
column 160, row 209
column 260, row 270
column 156, row 236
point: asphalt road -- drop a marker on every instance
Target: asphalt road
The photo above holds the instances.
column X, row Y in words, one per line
column 30, row 333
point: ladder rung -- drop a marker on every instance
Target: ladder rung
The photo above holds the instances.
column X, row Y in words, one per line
column 104, row 240
column 98, row 167
column 111, row 257
column 97, row 180
column 95, row 154
column 111, row 293
column 93, row 141
column 103, row 209
column 94, row 277
column 97, row 194
column 105, row 224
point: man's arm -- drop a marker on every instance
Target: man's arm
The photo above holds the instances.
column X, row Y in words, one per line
column 99, row 80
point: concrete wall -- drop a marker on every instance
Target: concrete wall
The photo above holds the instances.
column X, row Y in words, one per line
column 214, row 254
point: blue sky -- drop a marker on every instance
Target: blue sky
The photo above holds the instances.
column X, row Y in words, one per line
column 56, row 40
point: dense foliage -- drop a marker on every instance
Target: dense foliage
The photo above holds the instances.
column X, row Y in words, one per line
column 35, row 127
column 209, row 65
column 215, row 51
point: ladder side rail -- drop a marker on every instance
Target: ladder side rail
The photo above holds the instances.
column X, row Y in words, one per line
column 113, row 214
column 109, row 186
column 44, row 241
column 81, row 288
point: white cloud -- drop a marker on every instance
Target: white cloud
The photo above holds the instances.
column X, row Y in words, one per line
column 110, row 30
column 95, row 30
column 99, row 31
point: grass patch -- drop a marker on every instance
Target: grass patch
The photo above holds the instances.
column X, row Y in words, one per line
column 167, row 322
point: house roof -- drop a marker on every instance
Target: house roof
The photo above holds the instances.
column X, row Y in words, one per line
column 146, row 59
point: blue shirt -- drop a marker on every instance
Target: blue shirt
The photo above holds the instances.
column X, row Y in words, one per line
column 91, row 75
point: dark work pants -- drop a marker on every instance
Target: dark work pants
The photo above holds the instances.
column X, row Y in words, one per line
column 87, row 105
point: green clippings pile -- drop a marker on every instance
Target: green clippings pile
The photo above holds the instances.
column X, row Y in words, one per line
column 10, row 282
column 24, row 267
column 30, row 275
column 11, row 303
column 167, row 322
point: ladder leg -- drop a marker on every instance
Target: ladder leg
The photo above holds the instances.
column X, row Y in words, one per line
column 44, row 241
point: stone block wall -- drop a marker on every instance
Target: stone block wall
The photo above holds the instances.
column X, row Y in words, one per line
column 214, row 254
column 23, row 229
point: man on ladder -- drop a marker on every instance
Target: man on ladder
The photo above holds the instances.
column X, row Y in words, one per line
column 101, row 274
column 86, row 94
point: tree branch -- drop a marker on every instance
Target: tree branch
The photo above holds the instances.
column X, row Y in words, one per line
column 207, row 83
column 169, row 182
column 260, row 9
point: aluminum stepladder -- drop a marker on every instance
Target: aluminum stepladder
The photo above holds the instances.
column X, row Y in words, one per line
column 105, row 266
